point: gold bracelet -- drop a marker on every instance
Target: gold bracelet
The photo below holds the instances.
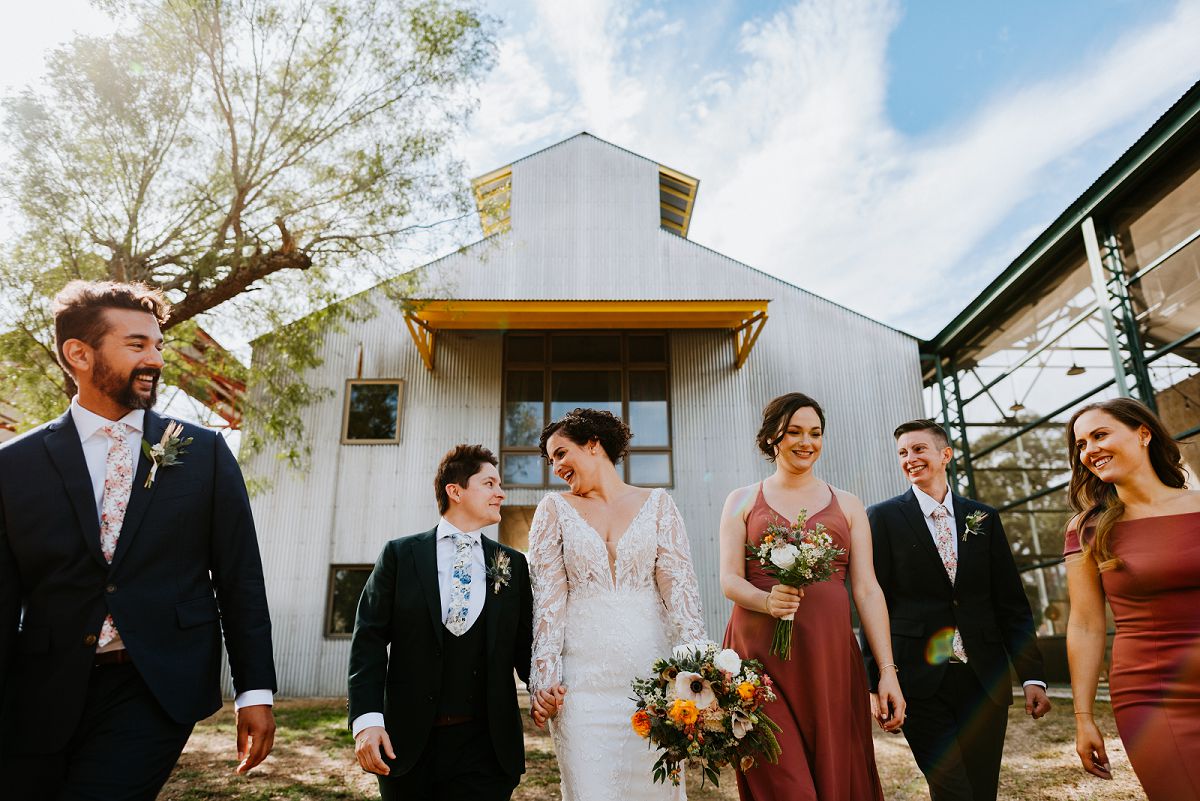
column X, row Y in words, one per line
column 1085, row 713
column 767, row 604
column 892, row 666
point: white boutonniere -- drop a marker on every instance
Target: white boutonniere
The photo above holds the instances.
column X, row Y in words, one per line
column 167, row 452
column 973, row 522
column 499, row 572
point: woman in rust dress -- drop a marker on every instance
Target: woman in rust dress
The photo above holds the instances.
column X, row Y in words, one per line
column 1140, row 549
column 823, row 707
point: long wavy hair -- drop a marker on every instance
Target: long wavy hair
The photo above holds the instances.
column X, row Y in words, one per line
column 1097, row 500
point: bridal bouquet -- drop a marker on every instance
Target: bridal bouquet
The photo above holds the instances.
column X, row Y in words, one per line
column 704, row 706
column 797, row 557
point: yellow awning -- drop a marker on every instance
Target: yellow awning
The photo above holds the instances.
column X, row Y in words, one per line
column 744, row 318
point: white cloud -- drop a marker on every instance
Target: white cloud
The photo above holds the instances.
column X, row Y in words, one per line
column 803, row 174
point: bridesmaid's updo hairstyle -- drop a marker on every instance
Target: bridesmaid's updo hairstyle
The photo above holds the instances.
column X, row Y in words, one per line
column 1097, row 500
column 582, row 426
column 777, row 414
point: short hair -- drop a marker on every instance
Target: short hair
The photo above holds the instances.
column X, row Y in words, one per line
column 581, row 426
column 775, row 417
column 78, row 310
column 923, row 424
column 457, row 466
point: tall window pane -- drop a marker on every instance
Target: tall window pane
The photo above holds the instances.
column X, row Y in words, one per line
column 649, row 469
column 522, row 469
column 645, row 348
column 585, row 348
column 648, row 407
column 524, row 407
column 346, row 584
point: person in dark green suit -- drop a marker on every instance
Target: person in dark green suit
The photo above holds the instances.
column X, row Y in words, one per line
column 439, row 719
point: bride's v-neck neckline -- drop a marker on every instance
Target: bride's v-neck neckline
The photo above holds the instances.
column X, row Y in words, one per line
column 612, row 570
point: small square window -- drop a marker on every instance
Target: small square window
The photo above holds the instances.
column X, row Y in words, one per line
column 346, row 584
column 372, row 412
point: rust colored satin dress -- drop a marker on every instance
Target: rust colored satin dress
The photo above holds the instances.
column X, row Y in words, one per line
column 823, row 706
column 1154, row 680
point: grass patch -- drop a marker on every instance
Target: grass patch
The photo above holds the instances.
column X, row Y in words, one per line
column 313, row 760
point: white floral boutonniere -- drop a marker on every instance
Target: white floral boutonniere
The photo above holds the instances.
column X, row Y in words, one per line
column 167, row 452
column 974, row 521
column 499, row 572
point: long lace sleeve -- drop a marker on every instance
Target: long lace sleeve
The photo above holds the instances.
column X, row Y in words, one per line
column 677, row 585
column 549, row 577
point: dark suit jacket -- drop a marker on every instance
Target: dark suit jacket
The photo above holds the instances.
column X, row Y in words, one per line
column 986, row 602
column 56, row 588
column 401, row 606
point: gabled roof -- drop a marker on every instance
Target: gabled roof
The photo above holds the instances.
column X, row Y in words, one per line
column 676, row 193
column 1167, row 132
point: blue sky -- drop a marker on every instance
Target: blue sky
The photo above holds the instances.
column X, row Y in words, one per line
column 892, row 156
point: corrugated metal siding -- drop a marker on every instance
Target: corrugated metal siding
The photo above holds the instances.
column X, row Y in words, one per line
column 585, row 225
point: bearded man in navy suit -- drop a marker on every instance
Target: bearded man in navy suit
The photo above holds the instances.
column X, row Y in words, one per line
column 126, row 550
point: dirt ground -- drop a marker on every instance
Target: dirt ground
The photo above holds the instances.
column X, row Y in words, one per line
column 313, row 760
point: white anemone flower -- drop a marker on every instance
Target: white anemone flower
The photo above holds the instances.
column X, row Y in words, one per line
column 694, row 687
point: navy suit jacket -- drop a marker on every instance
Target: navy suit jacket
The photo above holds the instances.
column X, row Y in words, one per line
column 186, row 567
column 986, row 602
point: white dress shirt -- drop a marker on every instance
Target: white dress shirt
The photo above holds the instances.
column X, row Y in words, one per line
column 445, row 567
column 928, row 504
column 95, row 454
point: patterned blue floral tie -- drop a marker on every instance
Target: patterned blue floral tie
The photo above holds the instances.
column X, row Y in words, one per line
column 460, row 587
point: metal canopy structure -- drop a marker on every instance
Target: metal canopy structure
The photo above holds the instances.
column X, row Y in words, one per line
column 744, row 318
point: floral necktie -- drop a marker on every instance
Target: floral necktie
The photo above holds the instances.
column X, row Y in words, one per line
column 460, row 585
column 945, row 547
column 118, row 482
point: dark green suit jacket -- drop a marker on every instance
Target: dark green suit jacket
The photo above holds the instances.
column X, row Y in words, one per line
column 401, row 607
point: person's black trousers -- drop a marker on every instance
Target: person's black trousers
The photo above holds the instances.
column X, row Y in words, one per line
column 458, row 764
column 123, row 748
column 957, row 738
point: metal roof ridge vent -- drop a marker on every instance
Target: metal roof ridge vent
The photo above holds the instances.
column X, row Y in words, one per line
column 676, row 198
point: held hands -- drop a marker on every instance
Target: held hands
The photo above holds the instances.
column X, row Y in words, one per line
column 368, row 746
column 546, row 703
column 1037, row 703
column 887, row 705
column 783, row 600
column 256, row 728
column 1089, row 744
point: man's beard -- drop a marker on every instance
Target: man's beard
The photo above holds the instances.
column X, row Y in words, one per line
column 121, row 391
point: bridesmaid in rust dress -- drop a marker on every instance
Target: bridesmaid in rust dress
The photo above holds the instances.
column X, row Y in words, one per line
column 823, row 708
column 1140, row 549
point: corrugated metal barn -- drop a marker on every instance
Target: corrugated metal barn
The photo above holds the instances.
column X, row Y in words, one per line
column 585, row 291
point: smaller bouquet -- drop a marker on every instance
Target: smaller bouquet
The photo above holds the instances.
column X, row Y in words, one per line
column 703, row 706
column 797, row 557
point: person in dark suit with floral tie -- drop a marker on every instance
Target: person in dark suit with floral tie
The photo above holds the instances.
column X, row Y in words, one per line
column 959, row 616
column 444, row 619
column 127, row 549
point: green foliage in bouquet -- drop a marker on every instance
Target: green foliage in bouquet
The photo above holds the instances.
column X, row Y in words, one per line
column 704, row 706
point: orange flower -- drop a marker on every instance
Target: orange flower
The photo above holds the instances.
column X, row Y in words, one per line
column 745, row 690
column 641, row 723
column 684, row 712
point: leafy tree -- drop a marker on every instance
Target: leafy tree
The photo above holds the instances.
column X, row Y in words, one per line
column 256, row 159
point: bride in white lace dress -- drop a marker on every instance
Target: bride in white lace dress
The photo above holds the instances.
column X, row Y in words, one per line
column 613, row 589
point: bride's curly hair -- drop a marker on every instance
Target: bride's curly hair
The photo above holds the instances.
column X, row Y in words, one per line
column 582, row 426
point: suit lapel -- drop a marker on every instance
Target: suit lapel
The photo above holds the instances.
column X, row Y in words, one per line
column 62, row 443
column 139, row 495
column 917, row 527
column 425, row 556
column 965, row 549
column 492, row 609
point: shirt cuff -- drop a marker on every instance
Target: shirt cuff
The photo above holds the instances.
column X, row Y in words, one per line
column 1041, row 684
column 254, row 698
column 366, row 721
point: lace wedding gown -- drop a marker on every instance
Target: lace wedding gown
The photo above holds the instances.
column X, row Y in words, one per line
column 594, row 631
